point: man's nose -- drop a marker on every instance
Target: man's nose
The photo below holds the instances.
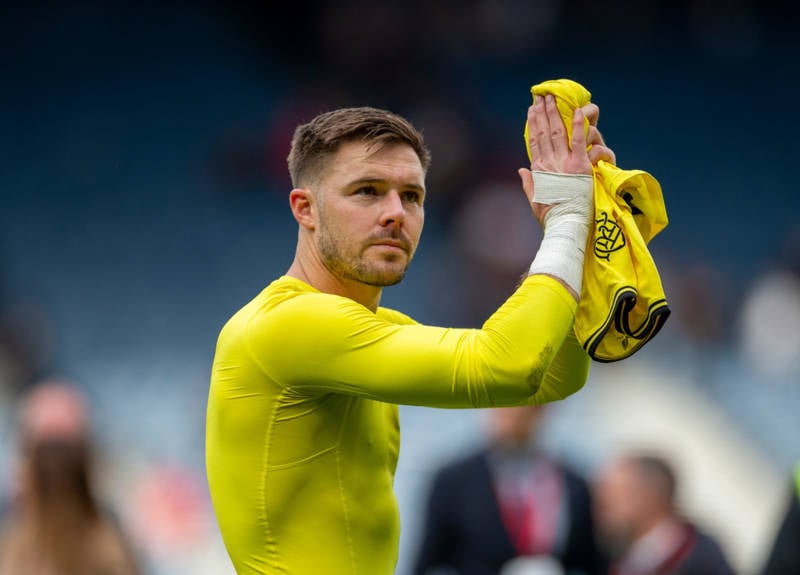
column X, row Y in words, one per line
column 393, row 210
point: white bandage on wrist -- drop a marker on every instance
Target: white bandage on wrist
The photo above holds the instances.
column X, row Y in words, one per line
column 566, row 225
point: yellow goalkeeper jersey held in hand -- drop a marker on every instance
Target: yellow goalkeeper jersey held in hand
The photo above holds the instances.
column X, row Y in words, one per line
column 622, row 305
column 302, row 431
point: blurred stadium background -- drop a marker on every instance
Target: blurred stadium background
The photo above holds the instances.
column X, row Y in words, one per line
column 143, row 188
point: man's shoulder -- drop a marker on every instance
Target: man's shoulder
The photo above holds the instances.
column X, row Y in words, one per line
column 394, row 316
column 707, row 545
column 571, row 473
column 706, row 555
column 274, row 296
column 281, row 290
column 290, row 308
column 464, row 465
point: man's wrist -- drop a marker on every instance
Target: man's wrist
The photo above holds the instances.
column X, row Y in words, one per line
column 562, row 250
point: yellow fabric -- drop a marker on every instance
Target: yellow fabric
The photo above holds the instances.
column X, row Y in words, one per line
column 302, row 436
column 622, row 304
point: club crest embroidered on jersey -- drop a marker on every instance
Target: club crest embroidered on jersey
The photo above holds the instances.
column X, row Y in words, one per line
column 608, row 237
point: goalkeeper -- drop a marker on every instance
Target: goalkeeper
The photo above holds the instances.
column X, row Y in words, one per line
column 302, row 430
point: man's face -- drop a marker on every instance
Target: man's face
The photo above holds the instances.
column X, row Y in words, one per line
column 369, row 212
column 619, row 504
column 515, row 427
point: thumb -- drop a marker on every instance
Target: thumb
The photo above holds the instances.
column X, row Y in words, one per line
column 527, row 183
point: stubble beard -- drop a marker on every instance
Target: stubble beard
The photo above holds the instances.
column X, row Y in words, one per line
column 356, row 268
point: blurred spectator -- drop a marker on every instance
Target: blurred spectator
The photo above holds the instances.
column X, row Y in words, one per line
column 769, row 319
column 699, row 298
column 509, row 507
column 784, row 557
column 638, row 522
column 770, row 314
column 55, row 524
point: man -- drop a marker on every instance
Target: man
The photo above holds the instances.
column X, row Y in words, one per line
column 523, row 504
column 637, row 519
column 302, row 431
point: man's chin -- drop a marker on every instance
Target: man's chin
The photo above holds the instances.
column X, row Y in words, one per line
column 384, row 278
column 383, row 272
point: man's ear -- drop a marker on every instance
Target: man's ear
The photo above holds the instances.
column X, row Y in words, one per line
column 301, row 200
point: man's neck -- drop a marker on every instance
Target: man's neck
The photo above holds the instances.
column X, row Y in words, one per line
column 319, row 277
column 656, row 542
column 656, row 522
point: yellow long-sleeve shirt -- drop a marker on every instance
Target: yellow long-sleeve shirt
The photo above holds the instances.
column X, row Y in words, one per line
column 302, row 431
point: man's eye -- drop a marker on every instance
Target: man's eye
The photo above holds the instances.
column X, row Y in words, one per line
column 411, row 196
column 366, row 191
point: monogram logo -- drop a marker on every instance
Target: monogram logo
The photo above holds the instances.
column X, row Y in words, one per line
column 608, row 237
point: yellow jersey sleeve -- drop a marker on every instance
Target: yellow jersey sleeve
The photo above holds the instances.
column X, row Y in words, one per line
column 320, row 343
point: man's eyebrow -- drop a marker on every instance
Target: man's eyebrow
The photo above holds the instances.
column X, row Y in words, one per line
column 363, row 181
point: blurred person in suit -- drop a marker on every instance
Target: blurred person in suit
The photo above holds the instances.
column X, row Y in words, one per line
column 639, row 524
column 784, row 555
column 55, row 524
column 509, row 507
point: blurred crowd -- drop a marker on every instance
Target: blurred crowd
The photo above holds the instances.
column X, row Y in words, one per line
column 143, row 191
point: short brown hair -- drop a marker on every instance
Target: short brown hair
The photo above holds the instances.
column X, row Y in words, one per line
column 313, row 143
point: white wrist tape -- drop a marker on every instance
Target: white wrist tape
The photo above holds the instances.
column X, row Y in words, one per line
column 566, row 225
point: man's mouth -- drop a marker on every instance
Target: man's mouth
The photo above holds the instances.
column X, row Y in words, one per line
column 392, row 243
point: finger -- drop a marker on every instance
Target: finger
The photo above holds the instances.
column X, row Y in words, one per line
column 527, row 183
column 558, row 133
column 544, row 144
column 578, row 137
column 532, row 145
column 594, row 137
column 592, row 113
column 597, row 153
